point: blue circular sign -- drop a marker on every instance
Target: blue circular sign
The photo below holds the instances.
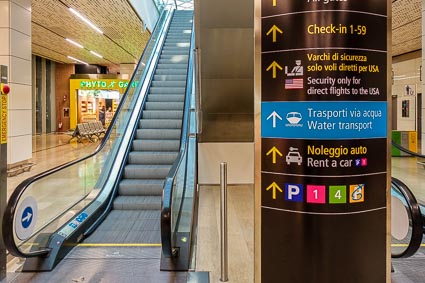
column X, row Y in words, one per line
column 27, row 216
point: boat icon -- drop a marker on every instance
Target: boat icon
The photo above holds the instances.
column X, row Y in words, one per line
column 293, row 117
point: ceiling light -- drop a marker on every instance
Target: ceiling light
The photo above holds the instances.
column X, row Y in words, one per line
column 96, row 54
column 75, row 59
column 405, row 78
column 85, row 20
column 73, row 42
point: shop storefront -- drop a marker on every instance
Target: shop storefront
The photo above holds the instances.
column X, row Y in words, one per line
column 94, row 100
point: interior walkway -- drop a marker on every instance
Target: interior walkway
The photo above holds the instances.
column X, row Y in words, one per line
column 49, row 151
column 54, row 149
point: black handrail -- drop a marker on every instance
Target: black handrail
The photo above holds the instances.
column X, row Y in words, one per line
column 8, row 217
column 405, row 150
column 167, row 194
column 415, row 216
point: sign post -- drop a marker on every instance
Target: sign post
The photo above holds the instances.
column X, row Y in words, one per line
column 324, row 141
column 3, row 164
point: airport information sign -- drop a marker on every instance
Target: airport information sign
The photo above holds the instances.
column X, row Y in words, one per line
column 323, row 140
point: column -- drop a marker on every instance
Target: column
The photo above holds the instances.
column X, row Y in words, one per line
column 127, row 70
column 423, row 79
column 324, row 186
column 15, row 52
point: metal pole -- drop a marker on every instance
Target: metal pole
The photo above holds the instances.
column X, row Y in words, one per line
column 223, row 215
column 198, row 96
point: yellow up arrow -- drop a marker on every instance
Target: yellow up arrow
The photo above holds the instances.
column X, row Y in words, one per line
column 274, row 187
column 274, row 151
column 274, row 65
column 273, row 30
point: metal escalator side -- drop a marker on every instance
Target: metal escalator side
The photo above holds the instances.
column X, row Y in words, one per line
column 50, row 212
column 178, row 207
column 406, row 220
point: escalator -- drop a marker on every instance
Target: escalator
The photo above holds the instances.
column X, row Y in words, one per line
column 408, row 220
column 128, row 209
column 154, row 148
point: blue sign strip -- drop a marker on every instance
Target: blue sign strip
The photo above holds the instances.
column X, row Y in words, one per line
column 27, row 216
column 324, row 120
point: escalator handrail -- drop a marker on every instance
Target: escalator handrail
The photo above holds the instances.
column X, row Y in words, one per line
column 416, row 219
column 167, row 195
column 9, row 213
column 405, row 150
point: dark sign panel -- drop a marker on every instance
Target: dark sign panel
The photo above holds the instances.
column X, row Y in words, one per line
column 324, row 74
column 324, row 141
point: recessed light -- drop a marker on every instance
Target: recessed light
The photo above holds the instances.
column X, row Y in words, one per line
column 85, row 20
column 73, row 42
column 96, row 54
column 75, row 59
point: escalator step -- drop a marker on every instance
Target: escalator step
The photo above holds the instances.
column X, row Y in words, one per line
column 128, row 226
column 160, row 124
column 132, row 171
column 164, row 106
column 175, row 52
column 116, row 215
column 166, row 98
column 137, row 202
column 172, row 71
column 147, row 157
column 170, row 78
column 176, row 57
column 165, row 90
column 169, row 83
column 167, row 115
column 171, row 66
column 158, row 134
column 181, row 44
column 140, row 187
column 156, row 145
column 177, row 37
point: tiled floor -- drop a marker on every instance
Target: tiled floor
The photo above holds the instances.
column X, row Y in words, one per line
column 54, row 149
column 411, row 173
column 240, row 208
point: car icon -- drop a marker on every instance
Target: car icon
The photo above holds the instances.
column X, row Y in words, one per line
column 294, row 157
column 294, row 117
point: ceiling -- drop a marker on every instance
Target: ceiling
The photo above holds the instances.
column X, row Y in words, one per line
column 406, row 26
column 122, row 41
column 124, row 37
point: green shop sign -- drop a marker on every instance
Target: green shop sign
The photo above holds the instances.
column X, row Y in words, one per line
column 105, row 84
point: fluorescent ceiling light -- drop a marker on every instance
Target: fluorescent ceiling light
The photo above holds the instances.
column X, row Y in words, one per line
column 405, row 78
column 73, row 42
column 85, row 20
column 75, row 59
column 96, row 54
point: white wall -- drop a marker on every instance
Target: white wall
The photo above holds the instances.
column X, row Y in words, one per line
column 423, row 77
column 127, row 70
column 407, row 73
column 147, row 11
column 239, row 158
column 15, row 52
